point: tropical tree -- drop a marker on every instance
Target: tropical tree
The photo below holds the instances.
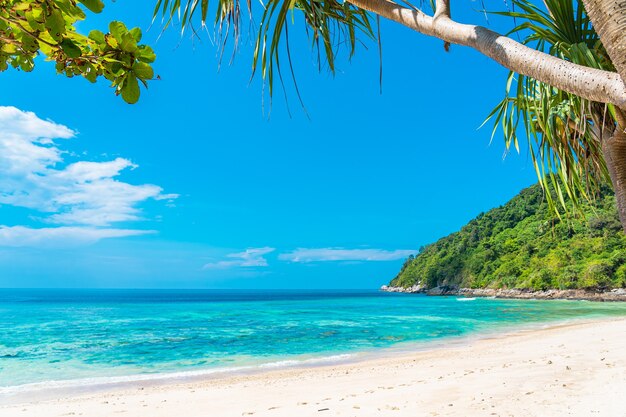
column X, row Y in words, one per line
column 561, row 127
column 567, row 86
column 29, row 28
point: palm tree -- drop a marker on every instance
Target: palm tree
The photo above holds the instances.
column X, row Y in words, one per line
column 561, row 128
column 570, row 94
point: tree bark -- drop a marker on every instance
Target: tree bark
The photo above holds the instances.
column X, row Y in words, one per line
column 592, row 84
column 609, row 20
column 614, row 150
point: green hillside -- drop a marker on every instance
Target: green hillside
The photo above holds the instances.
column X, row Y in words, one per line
column 524, row 245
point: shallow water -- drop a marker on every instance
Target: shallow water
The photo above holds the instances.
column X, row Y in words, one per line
column 51, row 336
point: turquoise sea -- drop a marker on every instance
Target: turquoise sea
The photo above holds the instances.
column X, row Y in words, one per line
column 65, row 338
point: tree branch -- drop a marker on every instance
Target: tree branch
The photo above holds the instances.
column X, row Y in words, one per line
column 23, row 29
column 589, row 83
column 442, row 8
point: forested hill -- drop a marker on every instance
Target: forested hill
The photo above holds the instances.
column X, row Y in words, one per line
column 524, row 245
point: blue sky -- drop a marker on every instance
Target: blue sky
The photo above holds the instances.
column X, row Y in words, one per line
column 196, row 186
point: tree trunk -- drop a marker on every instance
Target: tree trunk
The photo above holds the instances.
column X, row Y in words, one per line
column 614, row 149
column 609, row 20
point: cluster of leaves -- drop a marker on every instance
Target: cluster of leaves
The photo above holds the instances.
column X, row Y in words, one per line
column 29, row 28
column 563, row 131
column 524, row 245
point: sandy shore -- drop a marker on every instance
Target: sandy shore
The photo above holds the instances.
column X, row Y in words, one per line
column 569, row 370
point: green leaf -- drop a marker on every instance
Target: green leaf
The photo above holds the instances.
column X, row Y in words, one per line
column 117, row 29
column 55, row 25
column 136, row 32
column 30, row 44
column 34, row 20
column 130, row 90
column 95, row 6
column 96, row 35
column 146, row 54
column 21, row 6
column 91, row 74
column 110, row 40
column 70, row 48
column 27, row 65
column 116, row 68
column 143, row 70
column 128, row 43
column 8, row 48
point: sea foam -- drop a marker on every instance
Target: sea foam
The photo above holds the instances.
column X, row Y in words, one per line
column 96, row 382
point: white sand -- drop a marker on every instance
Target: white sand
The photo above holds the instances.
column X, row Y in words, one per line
column 569, row 370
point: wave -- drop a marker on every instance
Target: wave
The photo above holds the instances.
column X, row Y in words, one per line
column 165, row 376
column 466, row 299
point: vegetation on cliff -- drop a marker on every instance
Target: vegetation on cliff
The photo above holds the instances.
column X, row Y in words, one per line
column 524, row 245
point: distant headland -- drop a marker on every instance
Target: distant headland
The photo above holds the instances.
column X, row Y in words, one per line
column 524, row 250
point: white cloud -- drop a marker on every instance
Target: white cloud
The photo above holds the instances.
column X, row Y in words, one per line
column 26, row 124
column 17, row 236
column 23, row 140
column 340, row 254
column 249, row 258
column 87, row 194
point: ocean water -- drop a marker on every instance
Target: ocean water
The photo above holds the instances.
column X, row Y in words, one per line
column 61, row 338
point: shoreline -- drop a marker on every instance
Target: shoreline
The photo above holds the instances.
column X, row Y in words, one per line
column 52, row 389
column 617, row 294
column 315, row 385
column 45, row 390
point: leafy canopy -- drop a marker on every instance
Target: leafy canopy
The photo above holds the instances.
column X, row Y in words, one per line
column 29, row 28
column 563, row 130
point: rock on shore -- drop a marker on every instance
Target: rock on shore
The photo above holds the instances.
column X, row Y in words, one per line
column 409, row 290
column 617, row 294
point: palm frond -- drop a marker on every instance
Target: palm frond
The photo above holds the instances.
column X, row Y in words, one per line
column 330, row 25
column 560, row 128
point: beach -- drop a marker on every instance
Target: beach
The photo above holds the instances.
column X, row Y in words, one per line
column 573, row 369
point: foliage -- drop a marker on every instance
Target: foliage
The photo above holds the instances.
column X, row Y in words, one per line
column 29, row 28
column 330, row 24
column 562, row 130
column 523, row 244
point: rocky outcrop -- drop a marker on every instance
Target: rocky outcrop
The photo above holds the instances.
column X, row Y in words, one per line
column 443, row 290
column 415, row 289
column 617, row 294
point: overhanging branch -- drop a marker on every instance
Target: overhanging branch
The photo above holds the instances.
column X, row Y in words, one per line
column 589, row 83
